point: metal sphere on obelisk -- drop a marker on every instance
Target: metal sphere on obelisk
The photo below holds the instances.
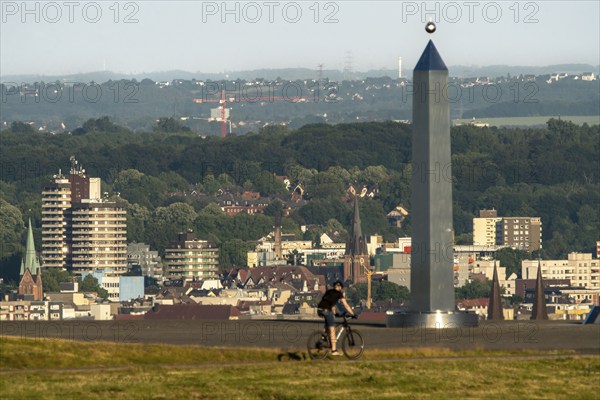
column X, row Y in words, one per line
column 430, row 27
column 432, row 303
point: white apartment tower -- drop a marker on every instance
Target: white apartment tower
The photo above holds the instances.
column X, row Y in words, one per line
column 192, row 259
column 400, row 67
column 517, row 232
column 80, row 230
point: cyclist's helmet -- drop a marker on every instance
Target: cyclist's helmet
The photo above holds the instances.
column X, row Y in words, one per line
column 338, row 283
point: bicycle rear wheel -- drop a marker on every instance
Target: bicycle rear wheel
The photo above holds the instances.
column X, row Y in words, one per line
column 317, row 346
column 353, row 345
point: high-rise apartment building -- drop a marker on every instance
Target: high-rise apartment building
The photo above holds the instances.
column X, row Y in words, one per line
column 98, row 237
column 485, row 228
column 148, row 260
column 523, row 233
column 192, row 259
column 80, row 230
column 56, row 202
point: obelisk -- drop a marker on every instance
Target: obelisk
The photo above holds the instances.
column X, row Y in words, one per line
column 432, row 280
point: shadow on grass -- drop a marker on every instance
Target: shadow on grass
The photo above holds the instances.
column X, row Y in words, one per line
column 292, row 356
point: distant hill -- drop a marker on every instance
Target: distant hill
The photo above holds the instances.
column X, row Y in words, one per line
column 463, row 71
column 460, row 71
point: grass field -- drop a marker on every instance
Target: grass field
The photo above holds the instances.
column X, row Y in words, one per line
column 59, row 369
column 531, row 121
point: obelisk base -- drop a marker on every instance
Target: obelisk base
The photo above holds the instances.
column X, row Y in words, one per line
column 431, row 320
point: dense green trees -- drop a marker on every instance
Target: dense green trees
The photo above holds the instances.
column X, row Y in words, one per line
column 53, row 277
column 551, row 173
column 170, row 125
column 474, row 290
column 511, row 259
column 380, row 291
column 12, row 227
column 21, row 127
column 90, row 284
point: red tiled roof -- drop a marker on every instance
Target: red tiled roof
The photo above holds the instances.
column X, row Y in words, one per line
column 471, row 303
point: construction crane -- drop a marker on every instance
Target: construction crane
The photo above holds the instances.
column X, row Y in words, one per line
column 369, row 274
column 223, row 106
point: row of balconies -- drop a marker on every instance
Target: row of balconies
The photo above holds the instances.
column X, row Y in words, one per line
column 99, row 243
column 169, row 257
column 50, row 220
column 88, row 212
column 56, row 228
column 191, row 256
column 99, row 229
column 98, row 219
column 99, row 210
column 193, row 265
column 86, row 256
column 53, row 250
column 104, row 262
column 79, row 268
column 114, row 224
column 174, row 271
column 59, row 204
column 93, row 255
column 89, row 234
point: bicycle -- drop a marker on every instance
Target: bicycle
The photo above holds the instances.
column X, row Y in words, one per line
column 352, row 342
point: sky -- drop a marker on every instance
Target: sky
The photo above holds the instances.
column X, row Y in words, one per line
column 67, row 37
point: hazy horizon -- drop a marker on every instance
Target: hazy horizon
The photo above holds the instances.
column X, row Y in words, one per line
column 284, row 68
column 152, row 36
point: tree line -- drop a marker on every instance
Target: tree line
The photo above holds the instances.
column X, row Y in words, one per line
column 548, row 172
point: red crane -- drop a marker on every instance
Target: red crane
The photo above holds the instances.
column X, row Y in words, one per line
column 223, row 106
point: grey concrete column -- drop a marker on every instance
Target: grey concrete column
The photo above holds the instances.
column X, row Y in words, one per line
column 432, row 282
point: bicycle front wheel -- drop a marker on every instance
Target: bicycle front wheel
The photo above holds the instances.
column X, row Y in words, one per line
column 353, row 345
column 317, row 346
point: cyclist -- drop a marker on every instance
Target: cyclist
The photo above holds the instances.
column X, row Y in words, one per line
column 331, row 299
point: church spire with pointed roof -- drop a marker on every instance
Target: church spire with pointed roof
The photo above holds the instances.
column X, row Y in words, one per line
column 356, row 258
column 356, row 243
column 495, row 312
column 538, row 311
column 30, row 260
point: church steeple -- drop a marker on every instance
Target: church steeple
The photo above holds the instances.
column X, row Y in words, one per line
column 356, row 258
column 356, row 243
column 538, row 311
column 30, row 260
